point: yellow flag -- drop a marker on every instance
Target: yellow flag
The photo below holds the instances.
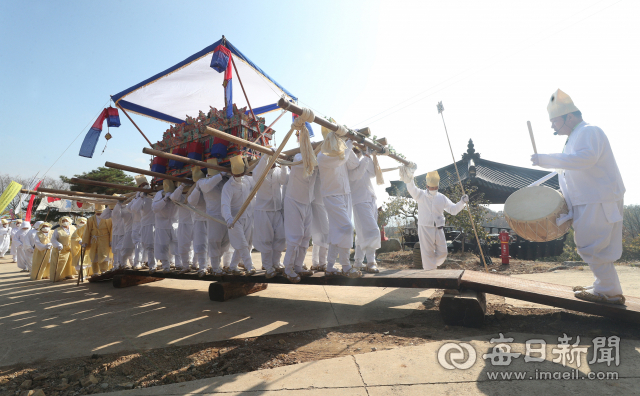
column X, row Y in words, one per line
column 9, row 194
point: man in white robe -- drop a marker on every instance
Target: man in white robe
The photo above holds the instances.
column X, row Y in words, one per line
column 136, row 237
column 30, row 240
column 22, row 245
column 185, row 229
column 297, row 220
column 142, row 206
column 5, row 237
column 319, row 228
column 126, row 246
column 209, row 189
column 166, row 241
column 234, row 193
column 268, row 222
column 365, row 213
column 334, row 160
column 15, row 227
column 592, row 186
column 431, row 207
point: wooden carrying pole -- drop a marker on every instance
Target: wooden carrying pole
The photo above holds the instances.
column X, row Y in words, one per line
column 241, row 142
column 109, row 185
column 148, row 173
column 73, row 198
column 357, row 137
column 80, row 194
column 272, row 161
column 186, row 160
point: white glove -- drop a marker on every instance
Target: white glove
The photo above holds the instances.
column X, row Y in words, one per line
column 230, row 223
column 349, row 144
column 224, row 174
column 465, row 198
column 564, row 218
column 84, row 245
column 49, row 246
column 385, row 151
column 535, row 161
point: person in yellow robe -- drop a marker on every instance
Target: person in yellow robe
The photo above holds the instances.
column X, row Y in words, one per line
column 61, row 267
column 42, row 253
column 97, row 238
column 76, row 248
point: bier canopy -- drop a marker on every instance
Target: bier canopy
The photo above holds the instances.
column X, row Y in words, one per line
column 192, row 86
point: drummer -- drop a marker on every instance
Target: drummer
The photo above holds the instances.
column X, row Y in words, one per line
column 431, row 207
column 593, row 188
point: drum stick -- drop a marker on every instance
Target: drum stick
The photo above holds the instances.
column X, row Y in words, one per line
column 543, row 179
column 533, row 141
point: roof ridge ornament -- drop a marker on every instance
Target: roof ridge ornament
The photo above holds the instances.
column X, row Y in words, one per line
column 471, row 152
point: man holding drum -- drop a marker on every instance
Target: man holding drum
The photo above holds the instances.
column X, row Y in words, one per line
column 593, row 188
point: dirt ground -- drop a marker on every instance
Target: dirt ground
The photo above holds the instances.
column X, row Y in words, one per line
column 139, row 369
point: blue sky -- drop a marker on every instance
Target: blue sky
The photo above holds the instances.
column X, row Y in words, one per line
column 366, row 63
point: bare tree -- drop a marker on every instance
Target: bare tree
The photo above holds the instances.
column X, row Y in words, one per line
column 631, row 221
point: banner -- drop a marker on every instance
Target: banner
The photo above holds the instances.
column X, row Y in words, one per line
column 27, row 216
column 9, row 194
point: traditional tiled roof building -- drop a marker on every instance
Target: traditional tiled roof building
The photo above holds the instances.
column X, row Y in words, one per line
column 495, row 180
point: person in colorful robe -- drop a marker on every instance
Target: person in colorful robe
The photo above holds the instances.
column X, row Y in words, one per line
column 61, row 258
column 97, row 238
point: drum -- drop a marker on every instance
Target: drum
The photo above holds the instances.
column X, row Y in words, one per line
column 532, row 212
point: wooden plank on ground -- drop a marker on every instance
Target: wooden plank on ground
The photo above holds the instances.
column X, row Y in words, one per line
column 548, row 294
column 437, row 279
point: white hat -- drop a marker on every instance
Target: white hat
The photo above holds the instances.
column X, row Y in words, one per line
column 560, row 104
column 141, row 179
column 211, row 172
column 168, row 186
column 433, row 179
column 237, row 165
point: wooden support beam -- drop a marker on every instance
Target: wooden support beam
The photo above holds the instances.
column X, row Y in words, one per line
column 463, row 308
column 69, row 197
column 186, row 160
column 223, row 291
column 147, row 172
column 241, row 142
column 357, row 137
column 292, row 152
column 109, row 185
column 120, row 280
column 79, row 194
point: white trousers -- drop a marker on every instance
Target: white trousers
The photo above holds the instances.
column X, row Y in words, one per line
column 319, row 254
column 241, row 238
column 200, row 243
column 218, row 240
column 319, row 225
column 338, row 209
column 433, row 246
column 22, row 257
column 297, row 224
column 365, row 217
column 269, row 236
column 165, row 248
column 147, row 239
column 598, row 237
column 14, row 250
column 4, row 244
column 115, row 249
column 185, row 242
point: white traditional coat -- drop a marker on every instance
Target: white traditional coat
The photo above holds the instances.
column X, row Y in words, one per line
column 433, row 245
column 592, row 186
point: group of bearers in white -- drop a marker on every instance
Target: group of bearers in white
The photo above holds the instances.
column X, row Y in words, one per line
column 294, row 205
column 193, row 225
